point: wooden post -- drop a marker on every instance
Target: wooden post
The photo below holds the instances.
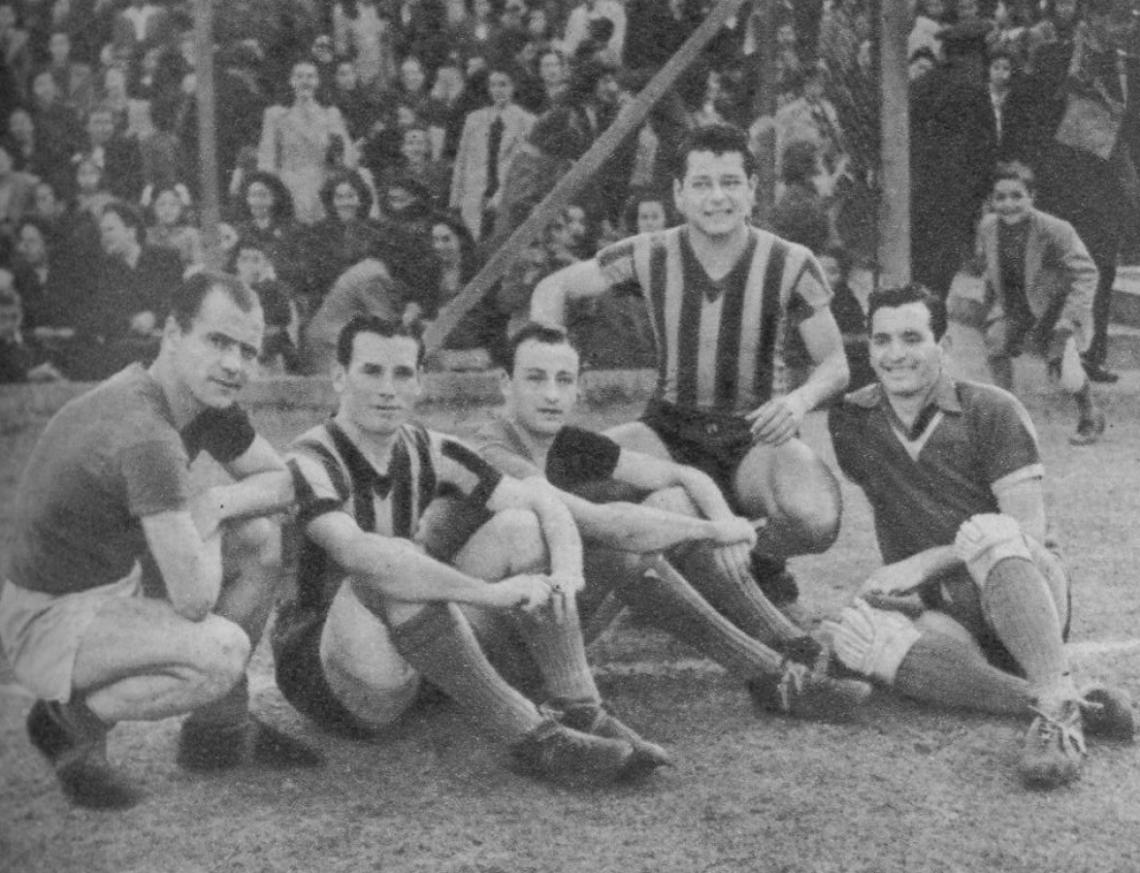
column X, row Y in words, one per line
column 894, row 200
column 568, row 186
column 207, row 144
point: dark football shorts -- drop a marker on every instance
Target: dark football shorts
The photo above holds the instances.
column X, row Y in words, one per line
column 713, row 442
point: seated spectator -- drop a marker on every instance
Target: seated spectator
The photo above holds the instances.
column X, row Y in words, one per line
column 74, row 80
column 481, row 332
column 172, row 225
column 20, row 137
column 51, row 209
column 20, row 359
column 129, row 287
column 116, row 154
column 410, row 88
column 416, row 164
column 800, row 214
column 51, row 306
column 59, row 131
column 539, row 92
column 17, row 192
column 264, row 211
column 252, row 264
column 406, row 203
column 342, row 238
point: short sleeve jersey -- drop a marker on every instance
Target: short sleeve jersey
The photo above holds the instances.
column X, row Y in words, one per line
column 576, row 456
column 972, row 441
column 720, row 343
column 106, row 460
column 331, row 474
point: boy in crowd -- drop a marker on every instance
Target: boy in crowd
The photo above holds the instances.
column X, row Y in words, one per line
column 1039, row 282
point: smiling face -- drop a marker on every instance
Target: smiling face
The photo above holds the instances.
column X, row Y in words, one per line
column 31, row 246
column 167, row 209
column 446, row 245
column 1012, row 200
column 716, row 194
column 381, row 384
column 502, row 89
column 904, row 353
column 213, row 358
column 1000, row 72
column 346, row 201
column 651, row 216
column 542, row 389
column 116, row 236
column 304, row 80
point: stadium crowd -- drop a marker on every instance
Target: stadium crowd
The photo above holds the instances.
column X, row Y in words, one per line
column 373, row 153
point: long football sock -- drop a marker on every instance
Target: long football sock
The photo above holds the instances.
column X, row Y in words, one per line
column 1023, row 614
column 559, row 650
column 950, row 672
column 739, row 600
column 439, row 642
column 672, row 604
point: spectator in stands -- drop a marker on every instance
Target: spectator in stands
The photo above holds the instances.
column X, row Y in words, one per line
column 448, row 111
column 264, row 209
column 659, row 30
column 411, row 87
column 15, row 53
column 577, row 30
column 508, row 43
column 491, row 138
column 357, row 104
column 116, row 154
column 139, row 26
column 59, row 132
column 20, row 137
column 74, row 80
column 52, row 211
column 295, row 142
column 922, row 61
column 953, row 145
column 471, row 37
column 342, row 238
column 850, row 314
column 406, row 204
column 91, row 191
column 127, row 289
column 842, row 30
column 363, row 31
column 20, row 359
column 800, row 214
column 111, row 92
column 252, row 264
column 928, row 23
column 50, row 303
column 420, row 29
column 172, row 225
column 813, row 117
column 417, row 164
column 17, row 192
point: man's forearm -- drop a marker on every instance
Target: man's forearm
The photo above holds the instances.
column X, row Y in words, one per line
column 548, row 301
column 827, row 380
column 629, row 527
column 255, row 495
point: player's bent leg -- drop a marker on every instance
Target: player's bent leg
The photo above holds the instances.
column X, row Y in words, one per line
column 639, row 437
column 791, row 486
column 224, row 733
column 510, row 543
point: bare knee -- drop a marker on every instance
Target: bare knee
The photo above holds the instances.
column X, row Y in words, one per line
column 253, row 544
column 809, row 507
column 672, row 500
column 221, row 654
column 519, row 534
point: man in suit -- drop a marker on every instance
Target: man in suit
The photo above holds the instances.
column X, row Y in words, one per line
column 490, row 138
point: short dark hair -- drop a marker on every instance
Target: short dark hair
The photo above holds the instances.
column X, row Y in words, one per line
column 799, row 161
column 129, row 215
column 719, row 139
column 901, row 295
column 548, row 334
column 648, row 195
column 385, row 327
column 186, row 301
column 1017, row 172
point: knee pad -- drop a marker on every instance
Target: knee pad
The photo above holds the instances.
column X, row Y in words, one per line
column 987, row 538
column 872, row 641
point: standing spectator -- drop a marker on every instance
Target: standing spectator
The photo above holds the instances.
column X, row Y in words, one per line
column 448, row 111
column 1098, row 191
column 357, row 104
column 91, row 191
column 812, row 117
column 264, row 208
column 363, row 30
column 578, row 28
column 172, row 225
column 472, row 37
column 21, row 360
column 421, row 31
column 539, row 91
column 491, row 138
column 295, row 142
column 416, row 164
column 928, row 23
column 22, row 146
column 952, row 153
column 800, row 214
column 139, row 26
